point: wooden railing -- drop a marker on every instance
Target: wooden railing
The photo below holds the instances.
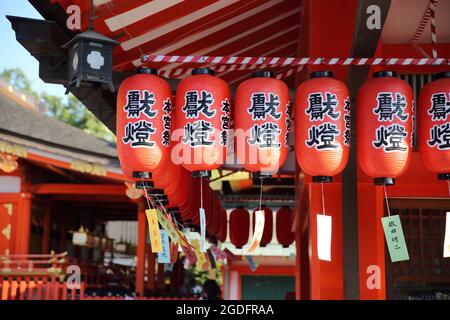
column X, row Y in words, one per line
column 37, row 288
column 43, row 277
column 36, row 277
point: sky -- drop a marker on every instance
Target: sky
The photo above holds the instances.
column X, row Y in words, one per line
column 13, row 55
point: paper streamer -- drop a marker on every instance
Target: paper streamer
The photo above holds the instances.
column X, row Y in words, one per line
column 173, row 252
column 259, row 228
column 447, row 236
column 395, row 239
column 251, row 263
column 164, row 255
column 168, row 226
column 218, row 254
column 153, row 227
column 189, row 253
column 168, row 267
column 202, row 230
column 202, row 259
column 324, row 237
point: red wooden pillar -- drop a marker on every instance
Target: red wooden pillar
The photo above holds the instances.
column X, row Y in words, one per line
column 141, row 241
column 174, row 287
column 327, row 277
column 150, row 268
column 47, row 217
column 63, row 228
column 372, row 276
column 23, row 224
column 298, row 262
column 160, row 279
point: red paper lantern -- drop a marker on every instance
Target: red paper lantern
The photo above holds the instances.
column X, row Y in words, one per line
column 322, row 126
column 144, row 107
column 261, row 119
column 384, row 127
column 178, row 190
column 239, row 227
column 202, row 122
column 283, row 225
column 434, row 125
column 223, row 223
column 215, row 208
column 268, row 225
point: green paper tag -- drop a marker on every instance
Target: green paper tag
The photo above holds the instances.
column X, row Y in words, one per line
column 395, row 239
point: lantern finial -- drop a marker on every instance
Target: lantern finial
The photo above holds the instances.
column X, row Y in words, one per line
column 384, row 181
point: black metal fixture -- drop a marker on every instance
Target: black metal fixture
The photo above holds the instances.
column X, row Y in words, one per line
column 90, row 57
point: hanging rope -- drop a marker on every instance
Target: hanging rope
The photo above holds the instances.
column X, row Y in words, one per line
column 260, row 193
column 429, row 14
column 323, row 198
column 433, row 28
column 146, row 195
column 201, row 192
column 387, row 202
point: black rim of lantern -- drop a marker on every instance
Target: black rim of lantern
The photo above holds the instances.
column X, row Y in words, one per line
column 147, row 70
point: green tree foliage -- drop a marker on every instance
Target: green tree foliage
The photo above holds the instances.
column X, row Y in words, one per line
column 19, row 81
column 68, row 110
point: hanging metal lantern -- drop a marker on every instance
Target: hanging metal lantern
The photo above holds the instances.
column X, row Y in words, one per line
column 90, row 58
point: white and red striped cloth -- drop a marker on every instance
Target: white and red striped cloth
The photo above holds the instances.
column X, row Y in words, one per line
column 289, row 61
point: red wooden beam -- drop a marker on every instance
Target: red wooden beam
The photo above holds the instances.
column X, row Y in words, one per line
column 372, row 275
column 79, row 189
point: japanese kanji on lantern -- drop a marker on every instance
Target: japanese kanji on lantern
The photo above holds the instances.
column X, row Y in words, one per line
column 202, row 122
column 261, row 118
column 322, row 126
column 434, row 125
column 144, row 106
column 384, row 127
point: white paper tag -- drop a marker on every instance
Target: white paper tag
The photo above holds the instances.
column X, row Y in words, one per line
column 202, row 230
column 324, row 237
column 447, row 236
column 260, row 219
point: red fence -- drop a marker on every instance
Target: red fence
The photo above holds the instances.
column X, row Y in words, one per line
column 37, row 288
